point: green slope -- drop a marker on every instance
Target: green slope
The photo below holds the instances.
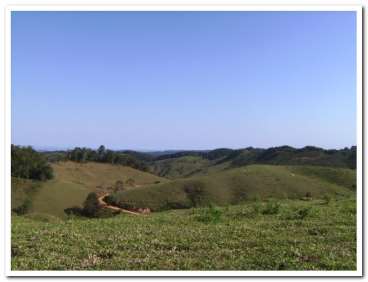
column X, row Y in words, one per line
column 55, row 196
column 342, row 177
column 239, row 184
column 72, row 183
column 22, row 190
column 179, row 167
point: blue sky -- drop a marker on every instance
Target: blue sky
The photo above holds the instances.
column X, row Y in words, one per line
column 183, row 80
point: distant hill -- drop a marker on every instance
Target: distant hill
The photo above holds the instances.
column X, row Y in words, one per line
column 178, row 164
column 189, row 163
column 239, row 184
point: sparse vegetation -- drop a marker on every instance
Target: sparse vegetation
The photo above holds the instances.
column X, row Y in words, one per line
column 119, row 186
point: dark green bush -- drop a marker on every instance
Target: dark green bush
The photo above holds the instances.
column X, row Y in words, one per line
column 195, row 193
column 112, row 199
column 104, row 213
column 271, row 208
column 78, row 211
column 90, row 206
column 211, row 214
column 29, row 164
column 23, row 208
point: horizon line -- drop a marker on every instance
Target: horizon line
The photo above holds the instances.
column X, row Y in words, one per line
column 66, row 148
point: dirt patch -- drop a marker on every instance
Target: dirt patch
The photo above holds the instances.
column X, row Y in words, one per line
column 103, row 204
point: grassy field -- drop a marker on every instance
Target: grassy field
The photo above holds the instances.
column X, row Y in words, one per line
column 95, row 174
column 245, row 183
column 55, row 196
column 23, row 190
column 283, row 235
column 72, row 183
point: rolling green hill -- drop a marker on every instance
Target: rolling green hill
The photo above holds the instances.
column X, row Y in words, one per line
column 94, row 174
column 218, row 184
column 73, row 181
column 194, row 163
column 179, row 167
column 239, row 184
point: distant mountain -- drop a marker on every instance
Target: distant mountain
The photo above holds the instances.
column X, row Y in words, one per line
column 185, row 163
column 189, row 163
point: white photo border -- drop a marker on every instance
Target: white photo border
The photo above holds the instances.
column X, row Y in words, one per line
column 190, row 7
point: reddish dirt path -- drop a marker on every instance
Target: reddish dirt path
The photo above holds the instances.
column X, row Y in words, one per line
column 103, row 204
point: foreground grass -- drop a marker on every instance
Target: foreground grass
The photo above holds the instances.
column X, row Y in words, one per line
column 289, row 234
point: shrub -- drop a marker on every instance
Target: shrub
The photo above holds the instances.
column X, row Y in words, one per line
column 298, row 213
column 104, row 213
column 211, row 214
column 74, row 211
column 195, row 193
column 112, row 199
column 90, row 207
column 23, row 208
column 302, row 212
column 271, row 208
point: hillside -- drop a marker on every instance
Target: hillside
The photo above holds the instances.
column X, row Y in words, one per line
column 179, row 164
column 239, row 184
column 73, row 181
column 94, row 174
column 179, row 167
column 22, row 191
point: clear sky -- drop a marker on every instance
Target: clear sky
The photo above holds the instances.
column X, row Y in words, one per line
column 183, row 80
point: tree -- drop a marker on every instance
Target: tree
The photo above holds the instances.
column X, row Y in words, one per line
column 101, row 153
column 90, row 206
column 29, row 164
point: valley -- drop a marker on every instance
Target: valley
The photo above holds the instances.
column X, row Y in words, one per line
column 155, row 217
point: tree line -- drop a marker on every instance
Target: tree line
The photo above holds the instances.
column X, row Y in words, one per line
column 104, row 155
column 29, row 164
